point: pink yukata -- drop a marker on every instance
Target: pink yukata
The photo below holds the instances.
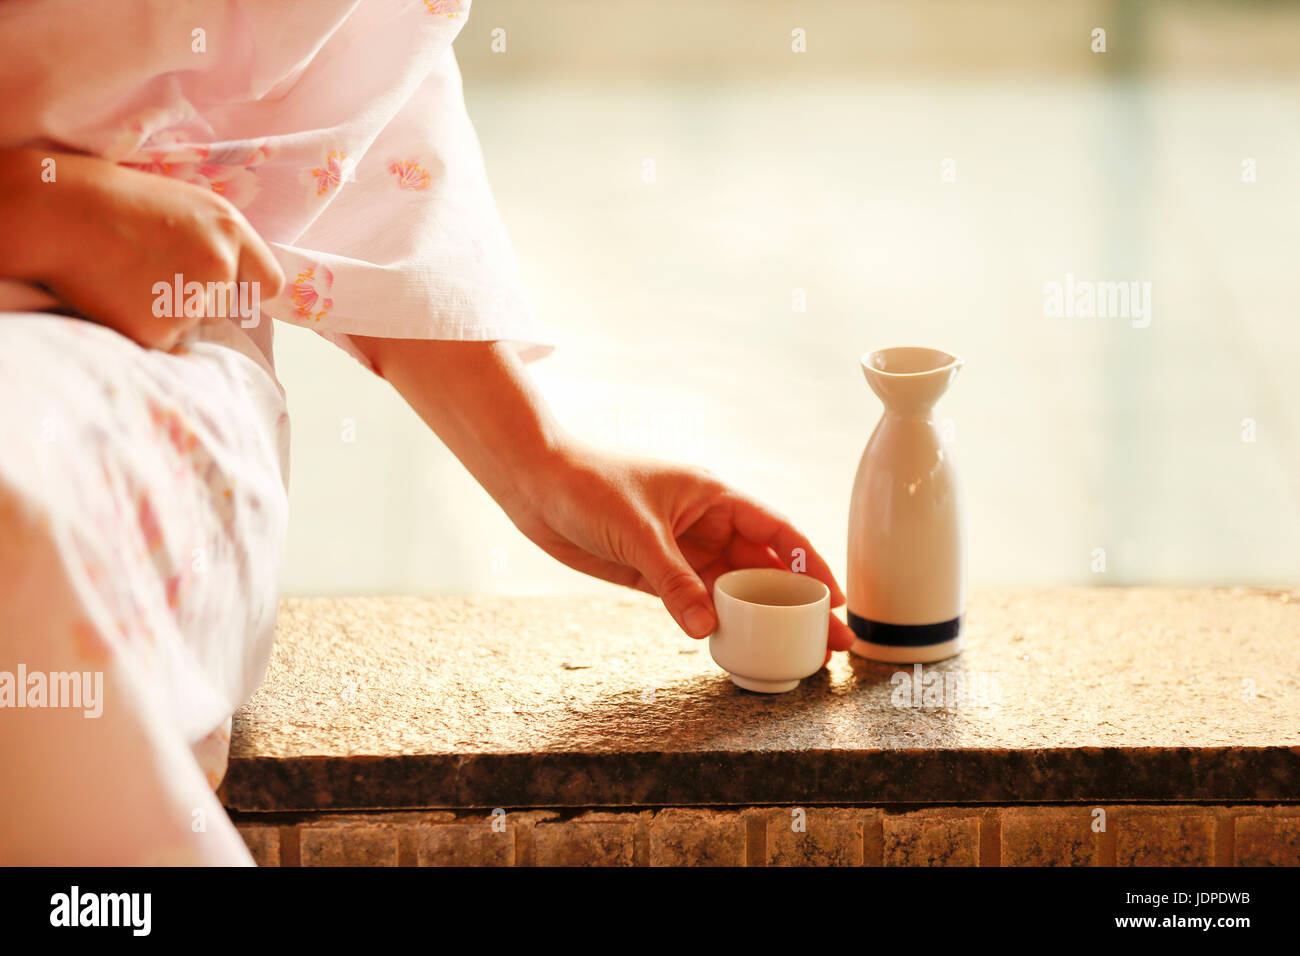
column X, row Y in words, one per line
column 142, row 493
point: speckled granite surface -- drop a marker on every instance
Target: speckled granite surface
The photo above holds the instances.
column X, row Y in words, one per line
column 1069, row 695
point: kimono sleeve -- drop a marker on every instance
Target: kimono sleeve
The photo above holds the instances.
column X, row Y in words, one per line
column 412, row 245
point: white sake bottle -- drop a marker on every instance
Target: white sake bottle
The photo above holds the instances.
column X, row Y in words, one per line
column 907, row 569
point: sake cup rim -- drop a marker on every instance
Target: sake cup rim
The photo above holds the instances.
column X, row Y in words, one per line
column 954, row 361
column 737, row 574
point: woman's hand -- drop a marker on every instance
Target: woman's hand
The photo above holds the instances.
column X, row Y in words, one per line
column 99, row 236
column 662, row 528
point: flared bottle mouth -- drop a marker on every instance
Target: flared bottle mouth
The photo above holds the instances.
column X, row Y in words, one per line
column 905, row 361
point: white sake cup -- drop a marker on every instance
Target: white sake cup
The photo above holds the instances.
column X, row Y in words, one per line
column 771, row 627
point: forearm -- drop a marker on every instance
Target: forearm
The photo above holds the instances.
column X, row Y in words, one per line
column 478, row 398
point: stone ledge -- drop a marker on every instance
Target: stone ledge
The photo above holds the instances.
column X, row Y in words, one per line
column 1128, row 835
column 1103, row 696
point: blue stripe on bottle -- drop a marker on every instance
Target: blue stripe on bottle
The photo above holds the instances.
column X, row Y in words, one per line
column 904, row 635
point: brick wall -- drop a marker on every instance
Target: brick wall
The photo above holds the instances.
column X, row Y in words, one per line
column 1126, row 835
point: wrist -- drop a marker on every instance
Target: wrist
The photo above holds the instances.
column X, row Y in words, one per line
column 540, row 465
column 44, row 195
column 30, row 206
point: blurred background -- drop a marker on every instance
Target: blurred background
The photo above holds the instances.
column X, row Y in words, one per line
column 717, row 226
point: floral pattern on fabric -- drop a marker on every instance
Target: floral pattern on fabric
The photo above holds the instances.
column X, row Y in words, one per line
column 331, row 174
column 140, row 549
column 410, row 175
column 443, row 8
column 307, row 291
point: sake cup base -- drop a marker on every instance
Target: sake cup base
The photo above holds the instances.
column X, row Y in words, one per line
column 902, row 654
column 764, row 686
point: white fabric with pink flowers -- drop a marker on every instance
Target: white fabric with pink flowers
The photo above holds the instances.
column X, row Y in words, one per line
column 150, row 532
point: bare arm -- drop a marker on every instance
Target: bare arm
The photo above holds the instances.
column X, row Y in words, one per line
column 663, row 528
column 478, row 398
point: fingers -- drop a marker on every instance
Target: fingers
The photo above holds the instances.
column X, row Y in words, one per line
column 743, row 553
column 684, row 595
column 213, row 310
column 757, row 524
column 258, row 264
column 839, row 636
column 255, row 266
column 707, row 562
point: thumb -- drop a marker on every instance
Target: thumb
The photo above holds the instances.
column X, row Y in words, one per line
column 679, row 587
